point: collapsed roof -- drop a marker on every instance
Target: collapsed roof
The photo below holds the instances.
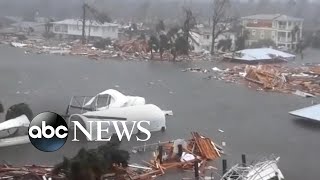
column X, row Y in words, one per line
column 260, row 54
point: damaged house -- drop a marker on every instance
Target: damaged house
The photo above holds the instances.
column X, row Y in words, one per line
column 201, row 39
column 73, row 28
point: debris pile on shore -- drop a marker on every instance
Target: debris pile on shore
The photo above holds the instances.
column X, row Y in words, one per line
column 302, row 81
column 107, row 161
column 133, row 46
column 180, row 154
column 30, row 172
column 135, row 49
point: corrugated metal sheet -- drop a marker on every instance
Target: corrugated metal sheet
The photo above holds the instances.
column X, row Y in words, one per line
column 312, row 112
column 260, row 54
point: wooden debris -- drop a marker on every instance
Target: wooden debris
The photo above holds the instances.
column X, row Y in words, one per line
column 201, row 148
column 206, row 147
column 197, row 149
column 31, row 172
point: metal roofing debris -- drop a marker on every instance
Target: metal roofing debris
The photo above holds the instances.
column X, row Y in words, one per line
column 260, row 54
column 312, row 112
column 265, row 169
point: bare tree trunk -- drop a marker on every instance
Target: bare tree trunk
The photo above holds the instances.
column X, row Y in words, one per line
column 89, row 31
column 213, row 38
column 174, row 53
column 161, row 53
column 83, row 24
column 151, row 54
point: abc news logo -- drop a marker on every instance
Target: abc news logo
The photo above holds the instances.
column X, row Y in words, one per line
column 48, row 131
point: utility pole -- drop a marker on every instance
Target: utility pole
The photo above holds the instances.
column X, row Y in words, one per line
column 83, row 24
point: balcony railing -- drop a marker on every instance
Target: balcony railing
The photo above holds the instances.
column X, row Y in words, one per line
column 284, row 40
column 284, row 27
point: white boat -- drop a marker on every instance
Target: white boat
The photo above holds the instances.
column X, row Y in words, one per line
column 9, row 127
column 105, row 100
column 114, row 99
column 111, row 105
column 148, row 112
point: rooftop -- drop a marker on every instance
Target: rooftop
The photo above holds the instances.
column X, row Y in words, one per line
column 260, row 54
column 78, row 21
column 279, row 17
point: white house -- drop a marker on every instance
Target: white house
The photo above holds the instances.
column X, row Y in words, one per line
column 93, row 28
column 201, row 41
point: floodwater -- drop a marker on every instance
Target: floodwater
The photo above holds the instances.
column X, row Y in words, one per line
column 254, row 123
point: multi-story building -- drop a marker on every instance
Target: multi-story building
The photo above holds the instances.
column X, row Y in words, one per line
column 284, row 31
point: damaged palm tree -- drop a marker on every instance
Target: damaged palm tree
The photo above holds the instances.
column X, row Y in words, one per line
column 92, row 164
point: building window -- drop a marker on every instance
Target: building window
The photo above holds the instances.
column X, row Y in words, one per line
column 57, row 28
column 95, row 29
column 253, row 32
column 299, row 24
column 289, row 23
column 74, row 28
column 274, row 24
column 289, row 35
column 262, row 34
column 282, row 25
column 106, row 29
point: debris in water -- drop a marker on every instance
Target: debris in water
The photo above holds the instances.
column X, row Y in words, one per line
column 224, row 143
column 303, row 94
